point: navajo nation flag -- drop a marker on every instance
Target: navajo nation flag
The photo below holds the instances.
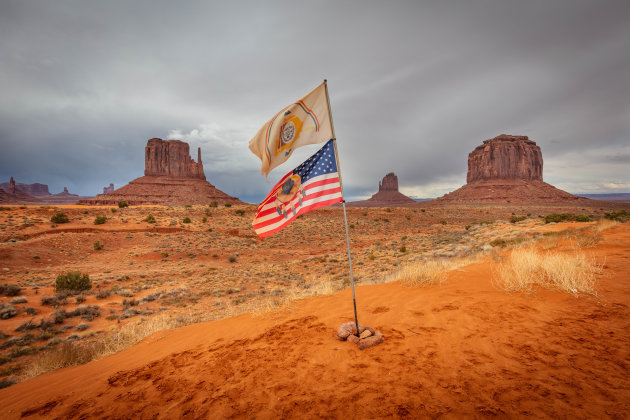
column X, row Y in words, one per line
column 313, row 184
column 306, row 121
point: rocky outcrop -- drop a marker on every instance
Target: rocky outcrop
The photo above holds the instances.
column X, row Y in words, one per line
column 10, row 194
column 35, row 189
column 171, row 158
column 507, row 169
column 505, row 157
column 110, row 189
column 387, row 195
column 171, row 178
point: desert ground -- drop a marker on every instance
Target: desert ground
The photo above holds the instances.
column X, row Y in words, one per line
column 191, row 315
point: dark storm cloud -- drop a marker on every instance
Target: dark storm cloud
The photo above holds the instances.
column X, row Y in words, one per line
column 415, row 86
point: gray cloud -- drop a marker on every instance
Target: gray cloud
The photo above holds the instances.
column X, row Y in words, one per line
column 415, row 86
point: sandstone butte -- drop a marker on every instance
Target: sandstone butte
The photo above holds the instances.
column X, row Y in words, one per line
column 387, row 195
column 19, row 193
column 171, row 177
column 507, row 169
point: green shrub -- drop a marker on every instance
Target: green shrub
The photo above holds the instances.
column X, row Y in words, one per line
column 213, row 204
column 73, row 280
column 565, row 217
column 149, row 219
column 239, row 212
column 114, row 210
column 123, row 204
column 228, row 205
column 59, row 217
column 186, row 220
column 620, row 216
column 99, row 220
column 403, row 249
column 204, row 219
column 98, row 245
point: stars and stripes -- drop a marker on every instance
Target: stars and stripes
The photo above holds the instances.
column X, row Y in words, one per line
column 313, row 184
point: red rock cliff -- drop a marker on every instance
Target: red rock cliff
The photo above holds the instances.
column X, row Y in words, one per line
column 389, row 183
column 171, row 158
column 505, row 157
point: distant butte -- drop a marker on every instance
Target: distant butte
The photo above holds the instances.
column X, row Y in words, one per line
column 387, row 195
column 507, row 169
column 171, row 177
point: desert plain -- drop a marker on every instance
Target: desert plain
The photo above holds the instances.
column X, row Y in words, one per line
column 190, row 315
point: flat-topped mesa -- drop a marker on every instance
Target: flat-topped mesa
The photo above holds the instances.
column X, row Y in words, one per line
column 172, row 158
column 389, row 183
column 505, row 157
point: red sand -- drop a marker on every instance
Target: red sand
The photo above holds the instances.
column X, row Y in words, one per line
column 464, row 349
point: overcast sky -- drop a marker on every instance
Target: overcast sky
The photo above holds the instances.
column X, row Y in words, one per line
column 415, row 86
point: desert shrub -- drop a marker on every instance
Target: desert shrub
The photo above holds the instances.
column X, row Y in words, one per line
column 239, row 212
column 403, row 249
column 10, row 289
column 103, row 294
column 99, row 220
column 204, row 219
column 525, row 268
column 82, row 326
column 516, row 219
column 150, row 219
column 114, row 210
column 59, row 316
column 443, row 222
column 7, row 311
column 228, row 205
column 188, row 206
column 19, row 299
column 80, row 298
column 565, row 217
column 123, row 204
column 232, row 258
column 27, row 326
column 30, row 311
column 619, row 216
column 73, row 280
column 186, row 220
column 86, row 312
column 98, row 245
column 213, row 204
column 59, row 218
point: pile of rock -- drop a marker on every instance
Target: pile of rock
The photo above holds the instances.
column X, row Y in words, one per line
column 366, row 338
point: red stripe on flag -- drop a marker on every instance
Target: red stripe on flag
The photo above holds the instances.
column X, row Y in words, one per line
column 336, row 188
column 302, row 210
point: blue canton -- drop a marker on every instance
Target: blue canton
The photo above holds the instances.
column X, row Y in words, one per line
column 321, row 163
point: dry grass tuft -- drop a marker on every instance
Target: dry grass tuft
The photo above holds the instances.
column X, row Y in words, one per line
column 80, row 352
column 528, row 267
column 603, row 224
column 428, row 272
column 275, row 304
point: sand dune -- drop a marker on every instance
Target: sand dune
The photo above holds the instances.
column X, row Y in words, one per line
column 462, row 349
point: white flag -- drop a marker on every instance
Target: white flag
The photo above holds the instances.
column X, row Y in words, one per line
column 305, row 121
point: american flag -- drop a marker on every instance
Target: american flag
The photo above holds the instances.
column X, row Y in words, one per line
column 313, row 184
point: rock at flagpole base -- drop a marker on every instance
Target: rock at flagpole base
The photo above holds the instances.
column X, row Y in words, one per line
column 368, row 337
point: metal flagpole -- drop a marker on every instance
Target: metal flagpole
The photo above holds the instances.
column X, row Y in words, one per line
column 343, row 203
